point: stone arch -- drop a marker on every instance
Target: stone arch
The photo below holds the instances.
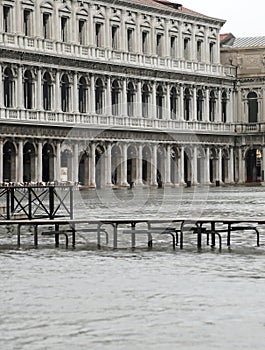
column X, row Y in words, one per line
column 146, row 164
column 9, row 161
column 29, row 162
column 132, row 164
column 116, row 156
column 48, row 154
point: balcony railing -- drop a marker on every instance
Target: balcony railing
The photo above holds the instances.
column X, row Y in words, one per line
column 119, row 57
column 98, row 121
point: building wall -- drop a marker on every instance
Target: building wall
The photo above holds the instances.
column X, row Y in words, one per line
column 107, row 95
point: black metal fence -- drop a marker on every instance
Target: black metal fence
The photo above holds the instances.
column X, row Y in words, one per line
column 36, row 202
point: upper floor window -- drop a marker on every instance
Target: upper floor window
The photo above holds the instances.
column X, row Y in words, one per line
column 252, row 107
column 82, row 95
column 99, row 34
column 159, row 102
column 199, row 50
column 187, row 48
column 130, row 99
column 115, row 37
column 145, row 42
column 187, row 103
column 173, row 103
column 159, row 44
column 211, row 52
column 6, row 19
column 130, row 33
column 81, row 31
column 47, row 92
column 173, row 46
column 8, row 88
column 224, row 107
column 64, row 29
column 27, row 22
column 145, row 101
column 212, row 106
column 115, row 97
column 46, row 23
column 65, row 94
column 199, row 102
column 28, row 90
column 99, row 96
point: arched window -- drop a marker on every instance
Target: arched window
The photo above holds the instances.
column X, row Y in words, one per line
column 252, row 107
column 212, row 103
column 159, row 102
column 199, row 105
column 145, row 101
column 173, row 103
column 224, row 107
column 99, row 89
column 115, row 97
column 187, row 99
column 65, row 93
column 82, row 95
column 47, row 92
column 28, row 90
column 130, row 99
column 8, row 88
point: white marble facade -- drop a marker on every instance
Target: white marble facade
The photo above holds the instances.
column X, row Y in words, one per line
column 107, row 93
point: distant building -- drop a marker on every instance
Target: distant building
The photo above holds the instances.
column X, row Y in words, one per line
column 107, row 93
column 247, row 55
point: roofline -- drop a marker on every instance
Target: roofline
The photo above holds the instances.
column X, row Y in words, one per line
column 192, row 15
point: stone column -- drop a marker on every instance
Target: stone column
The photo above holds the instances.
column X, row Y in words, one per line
column 124, row 182
column 20, row 89
column 241, row 175
column 194, row 114
column 39, row 90
column 108, row 166
column 168, row 166
column 153, row 103
column 219, row 175
column 154, row 166
column 57, row 94
column 206, row 105
column 57, row 167
column 231, row 175
column 92, row 94
column 75, row 163
column 108, row 107
column 207, row 166
column 92, row 166
column 75, row 94
column 139, row 100
column 167, row 104
column 195, row 166
column 181, row 166
column 124, row 98
column 91, row 31
column 1, row 162
column 219, row 106
column 19, row 175
column 39, row 162
column 1, row 89
column 181, row 103
column 139, row 167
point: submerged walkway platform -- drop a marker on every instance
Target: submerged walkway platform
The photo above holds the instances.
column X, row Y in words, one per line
column 177, row 229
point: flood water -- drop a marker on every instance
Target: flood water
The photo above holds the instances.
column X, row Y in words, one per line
column 86, row 298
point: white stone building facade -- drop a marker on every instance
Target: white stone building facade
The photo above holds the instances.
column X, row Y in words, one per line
column 107, row 93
